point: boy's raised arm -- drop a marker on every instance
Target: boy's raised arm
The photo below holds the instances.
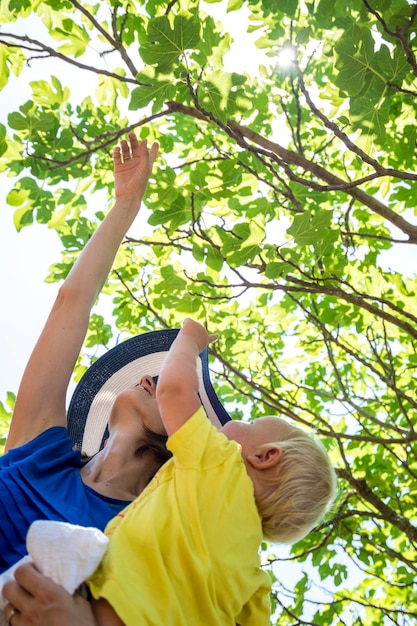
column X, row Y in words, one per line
column 41, row 398
column 177, row 389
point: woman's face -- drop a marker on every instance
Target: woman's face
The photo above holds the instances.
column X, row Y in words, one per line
column 137, row 406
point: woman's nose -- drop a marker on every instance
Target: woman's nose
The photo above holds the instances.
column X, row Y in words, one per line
column 147, row 381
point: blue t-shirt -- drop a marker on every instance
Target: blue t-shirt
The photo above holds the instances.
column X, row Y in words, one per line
column 41, row 480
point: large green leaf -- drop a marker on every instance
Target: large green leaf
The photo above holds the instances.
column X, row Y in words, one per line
column 166, row 42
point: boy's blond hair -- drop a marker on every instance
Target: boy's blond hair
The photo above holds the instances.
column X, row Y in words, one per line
column 301, row 492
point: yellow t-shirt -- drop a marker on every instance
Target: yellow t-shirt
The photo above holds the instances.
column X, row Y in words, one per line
column 185, row 552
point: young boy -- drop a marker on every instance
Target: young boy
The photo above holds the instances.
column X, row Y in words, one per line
column 186, row 550
column 207, row 511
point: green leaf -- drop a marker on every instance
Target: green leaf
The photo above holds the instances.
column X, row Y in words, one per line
column 357, row 72
column 212, row 47
column 167, row 42
column 156, row 88
column 234, row 5
column 214, row 259
column 49, row 92
column 75, row 36
column 309, row 227
column 370, row 116
column 23, row 217
column 4, row 69
column 276, row 269
column 99, row 333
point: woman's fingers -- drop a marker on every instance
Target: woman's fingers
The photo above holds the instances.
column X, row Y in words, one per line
column 136, row 152
column 153, row 153
column 135, row 145
column 116, row 155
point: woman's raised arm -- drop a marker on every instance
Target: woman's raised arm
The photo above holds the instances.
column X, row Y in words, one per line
column 41, row 398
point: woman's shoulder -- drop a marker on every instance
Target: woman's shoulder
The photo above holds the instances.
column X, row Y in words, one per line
column 55, row 439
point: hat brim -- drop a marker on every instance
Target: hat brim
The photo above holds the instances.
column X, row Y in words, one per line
column 117, row 370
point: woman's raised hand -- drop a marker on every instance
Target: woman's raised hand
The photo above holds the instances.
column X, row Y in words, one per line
column 132, row 168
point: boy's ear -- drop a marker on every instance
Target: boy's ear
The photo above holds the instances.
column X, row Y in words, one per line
column 264, row 458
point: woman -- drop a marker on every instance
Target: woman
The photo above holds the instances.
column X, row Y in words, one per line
column 41, row 476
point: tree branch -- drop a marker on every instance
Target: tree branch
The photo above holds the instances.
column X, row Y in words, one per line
column 47, row 51
column 291, row 158
column 365, row 491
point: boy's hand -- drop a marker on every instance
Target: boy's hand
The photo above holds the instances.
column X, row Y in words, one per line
column 198, row 333
column 132, row 168
column 178, row 383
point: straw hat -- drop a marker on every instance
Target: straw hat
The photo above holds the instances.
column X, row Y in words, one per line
column 120, row 368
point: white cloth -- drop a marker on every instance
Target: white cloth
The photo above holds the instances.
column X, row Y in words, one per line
column 65, row 553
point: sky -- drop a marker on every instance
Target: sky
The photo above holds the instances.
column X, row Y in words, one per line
column 26, row 299
column 25, row 258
